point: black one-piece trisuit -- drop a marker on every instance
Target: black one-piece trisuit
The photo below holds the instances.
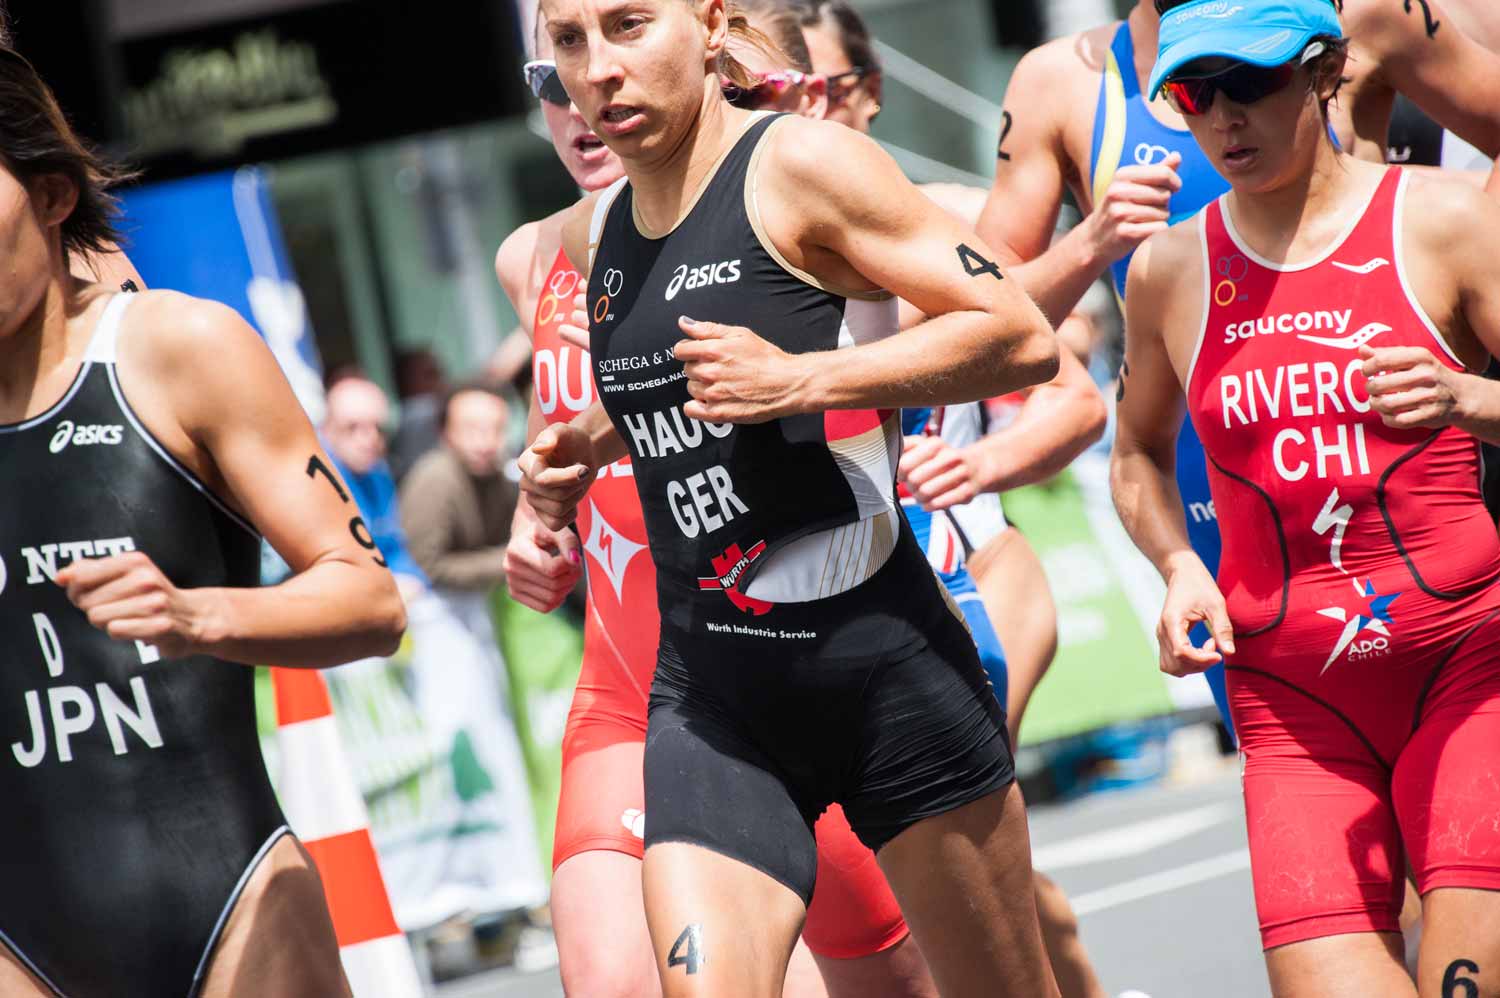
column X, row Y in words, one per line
column 808, row 653
column 136, row 801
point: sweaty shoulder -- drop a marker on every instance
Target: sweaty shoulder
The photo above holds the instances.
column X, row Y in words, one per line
column 1053, row 79
column 1164, row 288
column 175, row 335
column 523, row 261
column 1380, row 28
column 193, row 369
column 574, row 222
column 514, row 263
column 1445, row 213
column 1162, row 258
column 795, row 160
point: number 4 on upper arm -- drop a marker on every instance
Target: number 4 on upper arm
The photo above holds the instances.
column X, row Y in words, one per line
column 975, row 264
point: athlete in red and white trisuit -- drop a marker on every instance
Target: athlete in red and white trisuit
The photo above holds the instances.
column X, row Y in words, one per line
column 1323, row 317
column 854, row 927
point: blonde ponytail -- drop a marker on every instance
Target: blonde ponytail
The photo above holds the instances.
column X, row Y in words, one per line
column 740, row 27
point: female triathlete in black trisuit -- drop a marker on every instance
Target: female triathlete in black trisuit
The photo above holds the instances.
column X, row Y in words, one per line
column 806, row 654
column 146, row 443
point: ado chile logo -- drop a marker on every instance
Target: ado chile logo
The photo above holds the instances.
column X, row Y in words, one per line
column 729, row 569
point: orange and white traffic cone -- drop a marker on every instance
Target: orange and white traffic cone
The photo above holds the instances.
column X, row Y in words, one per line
column 324, row 808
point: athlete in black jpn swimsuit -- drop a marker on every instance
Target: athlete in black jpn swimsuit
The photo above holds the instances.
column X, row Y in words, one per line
column 807, row 654
column 146, row 442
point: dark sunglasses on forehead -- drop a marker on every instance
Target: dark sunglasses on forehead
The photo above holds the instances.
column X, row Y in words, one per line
column 1241, row 82
column 767, row 89
column 541, row 77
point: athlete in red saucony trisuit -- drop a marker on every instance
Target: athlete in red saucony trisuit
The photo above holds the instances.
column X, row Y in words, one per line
column 1322, row 318
column 854, row 925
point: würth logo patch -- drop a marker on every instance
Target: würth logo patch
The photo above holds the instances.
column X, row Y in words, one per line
column 729, row 569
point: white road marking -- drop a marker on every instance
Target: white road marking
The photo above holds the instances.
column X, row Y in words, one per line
column 1132, row 839
column 1161, row 883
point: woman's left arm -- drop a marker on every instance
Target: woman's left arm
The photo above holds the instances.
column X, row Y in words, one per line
column 984, row 337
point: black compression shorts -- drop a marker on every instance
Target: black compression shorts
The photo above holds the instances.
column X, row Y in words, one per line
column 874, row 698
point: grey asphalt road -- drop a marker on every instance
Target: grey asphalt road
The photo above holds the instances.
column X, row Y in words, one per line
column 1160, row 879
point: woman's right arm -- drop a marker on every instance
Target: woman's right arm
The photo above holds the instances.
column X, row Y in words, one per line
column 541, row 565
column 1143, row 462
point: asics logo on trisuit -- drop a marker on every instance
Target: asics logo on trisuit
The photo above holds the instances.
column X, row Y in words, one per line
column 83, row 436
column 691, row 278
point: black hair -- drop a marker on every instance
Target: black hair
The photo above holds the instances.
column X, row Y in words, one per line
column 36, row 140
column 854, row 34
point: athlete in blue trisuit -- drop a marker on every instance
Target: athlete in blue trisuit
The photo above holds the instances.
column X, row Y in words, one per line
column 1076, row 122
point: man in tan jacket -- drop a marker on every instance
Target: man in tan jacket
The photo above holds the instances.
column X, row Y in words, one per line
column 456, row 504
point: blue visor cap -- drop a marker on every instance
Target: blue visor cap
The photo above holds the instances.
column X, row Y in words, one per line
column 1260, row 32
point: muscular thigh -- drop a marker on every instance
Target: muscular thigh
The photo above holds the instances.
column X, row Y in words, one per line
column 601, row 804
column 279, row 939
column 1325, row 851
column 853, row 913
column 1446, row 784
column 719, row 927
column 1016, row 593
column 599, row 916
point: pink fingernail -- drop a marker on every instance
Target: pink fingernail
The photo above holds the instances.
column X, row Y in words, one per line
column 575, row 557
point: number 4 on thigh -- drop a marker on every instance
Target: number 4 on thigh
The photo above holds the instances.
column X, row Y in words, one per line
column 693, row 959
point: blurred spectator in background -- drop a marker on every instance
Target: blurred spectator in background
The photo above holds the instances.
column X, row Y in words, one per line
column 354, row 431
column 456, row 508
column 421, row 385
column 457, row 503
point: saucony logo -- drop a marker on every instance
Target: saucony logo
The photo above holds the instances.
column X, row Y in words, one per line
column 1364, row 268
column 1353, row 341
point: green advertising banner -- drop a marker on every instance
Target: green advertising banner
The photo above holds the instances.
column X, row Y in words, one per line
column 1108, row 597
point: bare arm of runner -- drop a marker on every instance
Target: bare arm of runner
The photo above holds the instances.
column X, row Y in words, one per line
column 1492, row 187
column 1033, row 172
column 984, row 337
column 1143, row 462
column 1058, row 421
column 1421, row 54
column 210, row 390
column 1447, row 224
column 564, row 458
column 541, row 565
